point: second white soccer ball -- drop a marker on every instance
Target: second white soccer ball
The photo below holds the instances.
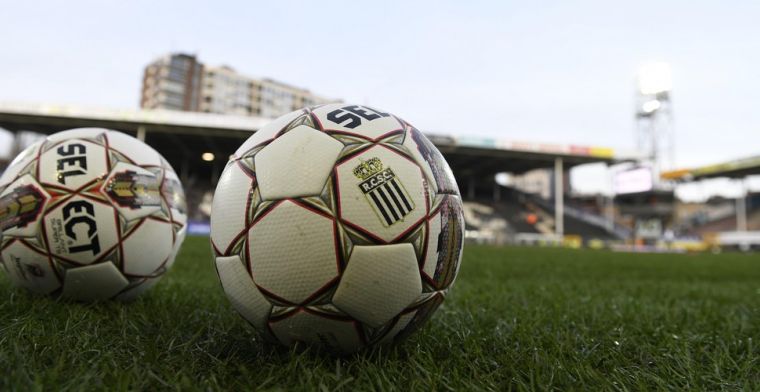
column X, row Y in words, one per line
column 90, row 214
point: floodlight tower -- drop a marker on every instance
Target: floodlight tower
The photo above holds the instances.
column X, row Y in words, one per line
column 654, row 117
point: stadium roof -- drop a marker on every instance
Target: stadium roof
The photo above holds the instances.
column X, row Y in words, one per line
column 50, row 118
column 186, row 135
column 739, row 168
column 489, row 156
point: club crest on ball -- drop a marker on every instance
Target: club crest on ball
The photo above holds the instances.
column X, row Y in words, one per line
column 384, row 191
column 133, row 190
column 20, row 207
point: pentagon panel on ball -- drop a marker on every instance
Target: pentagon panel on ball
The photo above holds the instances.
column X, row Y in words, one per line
column 338, row 225
column 90, row 214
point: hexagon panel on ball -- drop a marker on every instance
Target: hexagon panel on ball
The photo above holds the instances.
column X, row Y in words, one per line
column 292, row 252
column 309, row 157
column 379, row 282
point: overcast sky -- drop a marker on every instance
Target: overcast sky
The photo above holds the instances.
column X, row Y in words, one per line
column 538, row 71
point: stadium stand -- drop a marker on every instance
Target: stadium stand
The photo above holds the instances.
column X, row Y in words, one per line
column 582, row 223
column 720, row 216
column 526, row 218
column 483, row 224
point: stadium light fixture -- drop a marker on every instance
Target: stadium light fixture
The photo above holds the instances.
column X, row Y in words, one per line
column 655, row 78
column 207, row 156
column 650, row 106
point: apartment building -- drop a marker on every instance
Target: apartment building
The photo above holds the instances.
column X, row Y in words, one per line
column 172, row 82
column 179, row 82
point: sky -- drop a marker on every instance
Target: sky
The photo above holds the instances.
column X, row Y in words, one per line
column 542, row 71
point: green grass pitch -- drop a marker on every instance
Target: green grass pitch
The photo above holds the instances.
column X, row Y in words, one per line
column 516, row 319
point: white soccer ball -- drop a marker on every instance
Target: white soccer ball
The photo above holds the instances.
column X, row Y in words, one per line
column 90, row 214
column 339, row 225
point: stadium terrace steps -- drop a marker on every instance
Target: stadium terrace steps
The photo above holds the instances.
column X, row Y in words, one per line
column 520, row 204
column 515, row 214
column 728, row 224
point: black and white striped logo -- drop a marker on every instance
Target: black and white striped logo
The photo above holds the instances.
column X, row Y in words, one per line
column 387, row 196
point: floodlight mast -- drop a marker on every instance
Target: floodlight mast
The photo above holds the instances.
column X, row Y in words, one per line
column 654, row 116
